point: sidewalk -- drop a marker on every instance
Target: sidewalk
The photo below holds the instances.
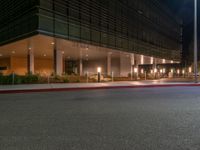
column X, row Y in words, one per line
column 89, row 86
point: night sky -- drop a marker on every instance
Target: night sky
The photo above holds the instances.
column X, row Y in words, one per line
column 185, row 9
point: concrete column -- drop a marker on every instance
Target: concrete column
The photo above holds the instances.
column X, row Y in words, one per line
column 80, row 63
column 109, row 59
column 30, row 61
column 125, row 65
column 132, row 60
column 58, row 58
column 81, row 67
column 154, row 63
column 59, row 62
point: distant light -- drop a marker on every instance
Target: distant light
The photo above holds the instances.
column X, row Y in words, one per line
column 155, row 70
column 52, row 43
column 183, row 71
column 151, row 60
column 164, row 70
column 190, row 69
column 29, row 48
column 161, row 71
column 136, row 70
column 172, row 70
column 99, row 69
column 151, row 71
column 172, row 61
column 13, row 52
column 63, row 52
column 1, row 55
column 163, row 61
column 45, row 55
column 142, row 71
column 178, row 71
column 142, row 59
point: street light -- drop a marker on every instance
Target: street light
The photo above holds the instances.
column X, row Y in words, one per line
column 99, row 74
column 195, row 42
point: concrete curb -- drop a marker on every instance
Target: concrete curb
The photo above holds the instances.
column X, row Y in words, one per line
column 94, row 88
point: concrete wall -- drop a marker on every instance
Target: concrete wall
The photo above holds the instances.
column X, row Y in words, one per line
column 18, row 65
column 44, row 66
column 115, row 63
column 92, row 65
column 125, row 66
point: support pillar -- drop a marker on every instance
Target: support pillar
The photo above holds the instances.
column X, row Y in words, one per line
column 125, row 65
column 109, row 59
column 80, row 63
column 30, row 61
column 58, row 62
column 81, row 67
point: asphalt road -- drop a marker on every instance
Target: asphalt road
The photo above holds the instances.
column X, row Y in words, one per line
column 122, row 119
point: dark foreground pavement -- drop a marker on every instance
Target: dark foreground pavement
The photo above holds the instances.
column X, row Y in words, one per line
column 120, row 119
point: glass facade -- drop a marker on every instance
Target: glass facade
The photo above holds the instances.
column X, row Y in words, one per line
column 18, row 19
column 138, row 26
column 135, row 26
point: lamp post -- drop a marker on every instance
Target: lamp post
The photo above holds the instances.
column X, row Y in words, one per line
column 195, row 42
column 99, row 74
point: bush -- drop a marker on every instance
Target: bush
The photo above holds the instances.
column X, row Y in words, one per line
column 30, row 79
column 9, row 79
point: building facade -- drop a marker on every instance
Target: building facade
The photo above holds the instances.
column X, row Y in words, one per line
column 76, row 36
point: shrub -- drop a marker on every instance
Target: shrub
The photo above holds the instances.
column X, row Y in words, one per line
column 30, row 79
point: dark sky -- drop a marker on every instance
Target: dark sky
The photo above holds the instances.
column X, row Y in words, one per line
column 185, row 9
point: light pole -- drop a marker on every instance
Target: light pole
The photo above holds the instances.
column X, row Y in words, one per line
column 195, row 42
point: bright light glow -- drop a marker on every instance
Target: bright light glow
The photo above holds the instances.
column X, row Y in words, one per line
column 151, row 60
column 151, row 71
column 45, row 55
column 190, row 69
column 172, row 70
column 183, row 71
column 164, row 70
column 135, row 70
column 99, row 69
column 172, row 61
column 155, row 70
column 142, row 59
column 163, row 61
column 52, row 43
column 178, row 71
column 63, row 52
column 161, row 71
column 142, row 71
